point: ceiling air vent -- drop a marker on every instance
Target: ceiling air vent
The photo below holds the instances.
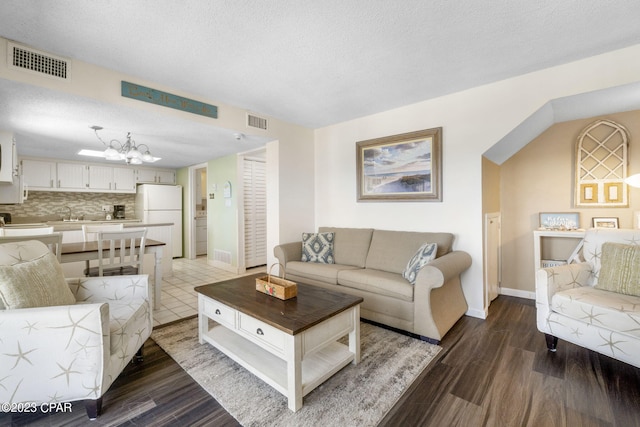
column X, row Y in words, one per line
column 254, row 121
column 25, row 58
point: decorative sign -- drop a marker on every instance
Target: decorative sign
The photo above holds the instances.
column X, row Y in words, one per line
column 153, row 96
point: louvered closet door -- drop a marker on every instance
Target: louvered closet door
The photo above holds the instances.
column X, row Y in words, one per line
column 255, row 213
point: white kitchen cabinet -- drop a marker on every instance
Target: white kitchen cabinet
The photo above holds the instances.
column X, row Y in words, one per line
column 39, row 174
column 156, row 176
column 72, row 176
column 110, row 179
column 201, row 235
column 100, row 177
column 124, row 180
column 48, row 175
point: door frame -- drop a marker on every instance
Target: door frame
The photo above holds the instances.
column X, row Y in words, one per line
column 257, row 154
column 497, row 216
column 190, row 212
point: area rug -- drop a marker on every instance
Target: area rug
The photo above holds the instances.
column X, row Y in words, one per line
column 358, row 395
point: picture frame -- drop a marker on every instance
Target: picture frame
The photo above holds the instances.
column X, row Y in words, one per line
column 403, row 168
column 563, row 221
column 605, row 222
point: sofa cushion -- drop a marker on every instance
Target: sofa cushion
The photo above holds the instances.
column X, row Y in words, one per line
column 391, row 250
column 37, row 282
column 610, row 310
column 317, row 247
column 378, row 282
column 620, row 271
column 326, row 273
column 351, row 245
column 425, row 255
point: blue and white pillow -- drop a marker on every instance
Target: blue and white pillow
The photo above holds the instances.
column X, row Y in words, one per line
column 425, row 255
column 318, row 247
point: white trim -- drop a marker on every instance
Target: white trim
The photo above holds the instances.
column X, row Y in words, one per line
column 517, row 293
column 190, row 213
column 480, row 314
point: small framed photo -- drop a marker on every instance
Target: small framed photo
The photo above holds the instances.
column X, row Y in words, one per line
column 608, row 222
column 559, row 220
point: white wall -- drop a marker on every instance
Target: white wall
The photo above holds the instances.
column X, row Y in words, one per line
column 472, row 121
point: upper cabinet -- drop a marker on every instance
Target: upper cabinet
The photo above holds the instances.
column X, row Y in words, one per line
column 107, row 178
column 8, row 161
column 72, row 176
column 39, row 174
column 50, row 175
column 156, row 176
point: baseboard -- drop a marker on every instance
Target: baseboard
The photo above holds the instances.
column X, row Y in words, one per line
column 517, row 293
column 224, row 266
column 474, row 312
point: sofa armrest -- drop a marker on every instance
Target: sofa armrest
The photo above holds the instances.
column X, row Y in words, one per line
column 438, row 298
column 555, row 279
column 98, row 289
column 442, row 269
column 56, row 351
column 288, row 252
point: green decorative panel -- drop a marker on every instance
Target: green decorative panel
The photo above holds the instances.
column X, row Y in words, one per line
column 158, row 97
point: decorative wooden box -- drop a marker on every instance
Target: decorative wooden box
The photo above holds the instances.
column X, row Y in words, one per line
column 276, row 286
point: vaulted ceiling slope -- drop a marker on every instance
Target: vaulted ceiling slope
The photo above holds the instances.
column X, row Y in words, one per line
column 316, row 63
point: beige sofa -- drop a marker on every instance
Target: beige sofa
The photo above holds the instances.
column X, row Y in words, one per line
column 573, row 303
column 369, row 263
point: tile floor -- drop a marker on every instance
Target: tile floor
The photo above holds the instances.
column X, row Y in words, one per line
column 179, row 300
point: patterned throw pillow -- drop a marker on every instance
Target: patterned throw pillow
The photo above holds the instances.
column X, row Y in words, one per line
column 318, row 247
column 425, row 255
column 35, row 283
column 620, row 271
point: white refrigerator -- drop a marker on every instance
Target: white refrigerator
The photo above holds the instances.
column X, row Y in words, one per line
column 162, row 204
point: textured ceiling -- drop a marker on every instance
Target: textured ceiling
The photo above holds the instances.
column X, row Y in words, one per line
column 313, row 63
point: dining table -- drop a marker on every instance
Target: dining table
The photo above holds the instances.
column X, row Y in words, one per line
column 87, row 251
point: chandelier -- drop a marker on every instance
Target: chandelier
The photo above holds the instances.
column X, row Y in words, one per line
column 128, row 151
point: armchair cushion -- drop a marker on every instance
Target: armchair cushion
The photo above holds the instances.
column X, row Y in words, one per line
column 37, row 282
column 599, row 308
column 620, row 271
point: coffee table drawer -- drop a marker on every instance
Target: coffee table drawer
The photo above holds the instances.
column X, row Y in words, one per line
column 220, row 312
column 260, row 332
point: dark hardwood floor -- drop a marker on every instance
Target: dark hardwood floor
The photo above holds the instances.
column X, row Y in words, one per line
column 493, row 372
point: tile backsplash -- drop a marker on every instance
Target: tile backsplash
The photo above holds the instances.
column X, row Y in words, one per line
column 50, row 205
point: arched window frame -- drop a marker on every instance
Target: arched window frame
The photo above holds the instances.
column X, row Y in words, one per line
column 602, row 154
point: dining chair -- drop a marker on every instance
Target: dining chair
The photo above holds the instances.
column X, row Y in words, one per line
column 28, row 231
column 52, row 240
column 120, row 252
column 90, row 234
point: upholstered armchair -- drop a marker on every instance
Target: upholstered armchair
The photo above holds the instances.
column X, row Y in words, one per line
column 596, row 303
column 65, row 340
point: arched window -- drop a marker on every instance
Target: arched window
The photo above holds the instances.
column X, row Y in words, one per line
column 601, row 165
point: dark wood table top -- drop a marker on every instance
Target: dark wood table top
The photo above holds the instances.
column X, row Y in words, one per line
column 312, row 305
column 83, row 247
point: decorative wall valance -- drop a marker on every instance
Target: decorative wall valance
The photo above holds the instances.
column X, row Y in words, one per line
column 601, row 165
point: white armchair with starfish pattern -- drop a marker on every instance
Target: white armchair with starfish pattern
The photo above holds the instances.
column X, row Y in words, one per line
column 64, row 340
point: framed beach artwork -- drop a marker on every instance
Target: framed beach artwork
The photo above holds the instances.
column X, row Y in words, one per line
column 406, row 167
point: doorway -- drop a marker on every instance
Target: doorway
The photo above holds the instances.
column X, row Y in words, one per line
column 255, row 211
column 200, row 216
column 492, row 256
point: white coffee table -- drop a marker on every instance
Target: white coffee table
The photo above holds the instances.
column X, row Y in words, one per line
column 291, row 345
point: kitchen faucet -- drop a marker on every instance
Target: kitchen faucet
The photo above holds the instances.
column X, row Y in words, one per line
column 69, row 209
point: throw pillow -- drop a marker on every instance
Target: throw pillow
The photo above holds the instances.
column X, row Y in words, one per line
column 425, row 255
column 318, row 247
column 620, row 268
column 35, row 283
